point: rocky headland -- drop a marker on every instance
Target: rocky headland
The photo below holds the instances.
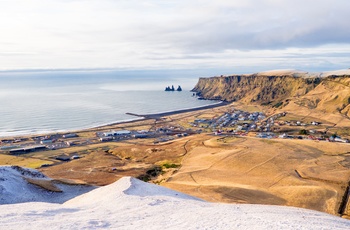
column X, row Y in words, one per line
column 327, row 91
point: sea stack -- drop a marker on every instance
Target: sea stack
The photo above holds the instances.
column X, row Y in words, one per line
column 172, row 88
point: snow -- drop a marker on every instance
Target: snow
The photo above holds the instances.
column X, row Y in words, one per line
column 337, row 72
column 133, row 204
column 281, row 72
column 300, row 73
column 15, row 189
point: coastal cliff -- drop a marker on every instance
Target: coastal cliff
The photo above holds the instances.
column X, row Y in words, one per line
column 329, row 91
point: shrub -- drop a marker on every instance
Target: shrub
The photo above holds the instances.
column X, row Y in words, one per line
column 168, row 165
column 303, row 132
column 153, row 172
column 279, row 104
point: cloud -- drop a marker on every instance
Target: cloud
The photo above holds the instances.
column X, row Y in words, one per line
column 130, row 33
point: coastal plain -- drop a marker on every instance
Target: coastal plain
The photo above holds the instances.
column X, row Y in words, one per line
column 290, row 148
column 219, row 168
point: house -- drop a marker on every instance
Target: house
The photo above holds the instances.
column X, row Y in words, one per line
column 108, row 134
column 261, row 135
column 284, row 135
column 116, row 133
column 107, row 138
column 74, row 157
column 27, row 149
column 122, row 132
column 70, row 135
column 46, row 141
column 140, row 135
column 315, row 123
column 63, row 158
column 338, row 139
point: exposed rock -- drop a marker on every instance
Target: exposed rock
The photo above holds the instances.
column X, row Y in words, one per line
column 325, row 91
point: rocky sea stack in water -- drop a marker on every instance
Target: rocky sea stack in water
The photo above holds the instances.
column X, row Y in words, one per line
column 172, row 88
column 328, row 91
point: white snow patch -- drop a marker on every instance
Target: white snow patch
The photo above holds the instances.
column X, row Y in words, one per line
column 14, row 187
column 336, row 72
column 304, row 74
column 133, row 204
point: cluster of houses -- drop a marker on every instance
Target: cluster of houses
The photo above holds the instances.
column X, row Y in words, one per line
column 164, row 133
column 258, row 124
column 236, row 121
column 123, row 135
column 112, row 135
column 333, row 138
column 58, row 141
column 37, row 143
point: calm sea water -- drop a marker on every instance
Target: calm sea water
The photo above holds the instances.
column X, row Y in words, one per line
column 61, row 101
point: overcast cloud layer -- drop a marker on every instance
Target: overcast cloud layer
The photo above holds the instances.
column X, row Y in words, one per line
column 264, row 34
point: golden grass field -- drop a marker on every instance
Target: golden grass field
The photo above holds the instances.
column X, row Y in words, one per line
column 250, row 170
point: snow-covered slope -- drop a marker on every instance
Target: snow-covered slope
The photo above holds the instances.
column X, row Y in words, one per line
column 132, row 204
column 14, row 187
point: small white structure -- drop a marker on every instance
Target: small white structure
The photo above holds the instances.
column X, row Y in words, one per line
column 284, row 135
column 108, row 138
column 116, row 133
column 338, row 139
column 74, row 157
column 315, row 123
column 109, row 134
column 140, row 135
column 46, row 141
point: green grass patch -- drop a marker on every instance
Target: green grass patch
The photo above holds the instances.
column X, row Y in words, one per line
column 278, row 104
column 170, row 165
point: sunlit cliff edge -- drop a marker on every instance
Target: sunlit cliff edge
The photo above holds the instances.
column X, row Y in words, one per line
column 326, row 91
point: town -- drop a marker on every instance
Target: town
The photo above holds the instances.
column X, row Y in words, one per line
column 233, row 122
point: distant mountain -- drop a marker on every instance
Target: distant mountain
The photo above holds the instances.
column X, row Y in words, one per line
column 132, row 204
column 328, row 91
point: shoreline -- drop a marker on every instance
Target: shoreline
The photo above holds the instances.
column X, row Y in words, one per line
column 170, row 113
column 144, row 117
column 141, row 117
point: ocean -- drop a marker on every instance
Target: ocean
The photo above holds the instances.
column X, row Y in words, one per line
column 55, row 101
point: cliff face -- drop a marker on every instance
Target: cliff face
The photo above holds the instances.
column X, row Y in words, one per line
column 330, row 93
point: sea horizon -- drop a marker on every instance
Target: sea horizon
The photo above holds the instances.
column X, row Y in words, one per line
column 49, row 102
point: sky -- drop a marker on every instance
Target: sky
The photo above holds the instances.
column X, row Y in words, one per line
column 235, row 35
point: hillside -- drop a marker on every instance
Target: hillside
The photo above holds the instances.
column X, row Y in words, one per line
column 328, row 91
column 18, row 185
column 132, row 204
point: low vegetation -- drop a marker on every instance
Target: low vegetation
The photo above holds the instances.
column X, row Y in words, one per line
column 151, row 173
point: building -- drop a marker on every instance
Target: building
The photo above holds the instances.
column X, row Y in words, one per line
column 27, row 149
column 46, row 141
column 140, row 135
column 116, row 133
column 108, row 134
column 122, row 132
column 70, row 135
column 63, row 158
column 107, row 138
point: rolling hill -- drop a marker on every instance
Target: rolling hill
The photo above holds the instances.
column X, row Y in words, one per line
column 133, row 204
